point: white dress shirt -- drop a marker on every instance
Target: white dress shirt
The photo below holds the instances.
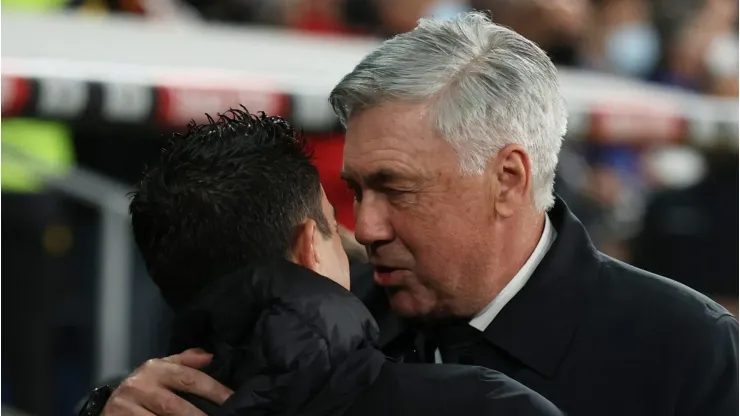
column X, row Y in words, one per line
column 486, row 316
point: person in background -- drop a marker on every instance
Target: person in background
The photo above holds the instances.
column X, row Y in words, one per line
column 623, row 39
column 700, row 45
column 236, row 230
column 690, row 234
column 562, row 25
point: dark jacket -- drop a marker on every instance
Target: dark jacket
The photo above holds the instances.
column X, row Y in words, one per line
column 598, row 337
column 291, row 342
column 690, row 234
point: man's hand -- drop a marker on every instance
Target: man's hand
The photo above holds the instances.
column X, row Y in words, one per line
column 150, row 389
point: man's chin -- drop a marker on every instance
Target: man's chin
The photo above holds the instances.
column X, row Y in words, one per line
column 407, row 305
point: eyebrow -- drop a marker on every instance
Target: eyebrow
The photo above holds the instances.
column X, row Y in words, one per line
column 375, row 179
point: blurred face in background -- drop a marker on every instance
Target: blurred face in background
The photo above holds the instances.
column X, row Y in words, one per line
column 703, row 52
column 622, row 39
column 427, row 228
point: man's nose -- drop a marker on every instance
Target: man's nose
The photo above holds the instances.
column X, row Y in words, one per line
column 372, row 223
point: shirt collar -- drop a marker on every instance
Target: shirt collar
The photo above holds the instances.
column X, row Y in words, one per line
column 486, row 316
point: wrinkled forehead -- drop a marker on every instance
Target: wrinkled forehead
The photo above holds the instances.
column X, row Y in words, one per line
column 394, row 137
column 391, row 120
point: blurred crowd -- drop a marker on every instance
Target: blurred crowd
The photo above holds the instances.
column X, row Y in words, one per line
column 691, row 44
column 687, row 43
column 669, row 210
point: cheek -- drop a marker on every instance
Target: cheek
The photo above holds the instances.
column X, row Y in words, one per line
column 442, row 244
column 433, row 236
column 416, row 223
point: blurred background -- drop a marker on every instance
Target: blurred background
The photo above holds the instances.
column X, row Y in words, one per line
column 650, row 164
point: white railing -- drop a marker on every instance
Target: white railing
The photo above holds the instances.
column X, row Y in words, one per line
column 113, row 310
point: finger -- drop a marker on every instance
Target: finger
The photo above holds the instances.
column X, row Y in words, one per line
column 179, row 377
column 166, row 403
column 122, row 407
column 194, row 358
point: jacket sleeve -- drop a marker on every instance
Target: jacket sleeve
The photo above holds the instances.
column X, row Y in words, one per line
column 711, row 386
column 502, row 395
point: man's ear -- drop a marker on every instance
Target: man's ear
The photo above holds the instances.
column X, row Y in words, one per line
column 304, row 248
column 513, row 172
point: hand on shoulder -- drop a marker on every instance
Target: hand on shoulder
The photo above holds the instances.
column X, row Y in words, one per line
column 151, row 388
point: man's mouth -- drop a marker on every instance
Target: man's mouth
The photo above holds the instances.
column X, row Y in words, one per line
column 387, row 276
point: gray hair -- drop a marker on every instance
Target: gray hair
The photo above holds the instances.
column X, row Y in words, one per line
column 487, row 87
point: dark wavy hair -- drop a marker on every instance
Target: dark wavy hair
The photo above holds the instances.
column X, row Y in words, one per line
column 223, row 195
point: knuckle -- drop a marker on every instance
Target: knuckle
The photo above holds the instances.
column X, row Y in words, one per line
column 149, row 365
column 114, row 406
column 167, row 406
column 186, row 378
column 128, row 385
column 132, row 386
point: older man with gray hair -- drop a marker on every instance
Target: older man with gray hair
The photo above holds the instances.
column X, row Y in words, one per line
column 453, row 135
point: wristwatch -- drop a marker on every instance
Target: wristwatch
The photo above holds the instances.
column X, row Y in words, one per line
column 96, row 401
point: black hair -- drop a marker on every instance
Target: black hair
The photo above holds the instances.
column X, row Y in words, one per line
column 222, row 196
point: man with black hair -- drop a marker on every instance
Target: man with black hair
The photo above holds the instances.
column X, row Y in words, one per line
column 236, row 231
column 228, row 194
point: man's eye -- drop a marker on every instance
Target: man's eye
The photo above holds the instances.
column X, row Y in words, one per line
column 393, row 192
column 356, row 193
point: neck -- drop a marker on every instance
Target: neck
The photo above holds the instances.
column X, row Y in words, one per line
column 522, row 234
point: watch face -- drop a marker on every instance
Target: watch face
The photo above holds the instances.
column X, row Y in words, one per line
column 96, row 402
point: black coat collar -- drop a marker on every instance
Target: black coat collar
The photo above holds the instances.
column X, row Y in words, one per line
column 537, row 325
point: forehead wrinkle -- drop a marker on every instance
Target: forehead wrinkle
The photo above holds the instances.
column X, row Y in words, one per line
column 395, row 120
column 388, row 170
column 394, row 137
